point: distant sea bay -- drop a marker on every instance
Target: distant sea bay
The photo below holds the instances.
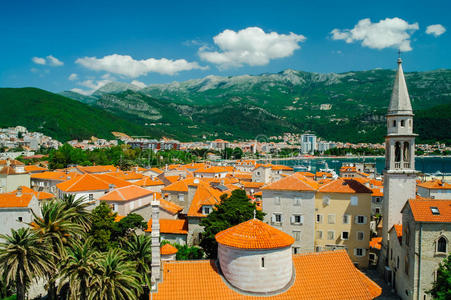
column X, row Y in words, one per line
column 429, row 165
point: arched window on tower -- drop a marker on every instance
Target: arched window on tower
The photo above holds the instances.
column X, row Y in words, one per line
column 406, row 152
column 410, row 123
column 441, row 245
column 397, row 152
column 402, row 123
column 394, row 123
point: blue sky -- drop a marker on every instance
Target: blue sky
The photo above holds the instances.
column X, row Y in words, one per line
column 44, row 42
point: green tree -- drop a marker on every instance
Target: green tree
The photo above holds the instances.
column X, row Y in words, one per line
column 128, row 224
column 24, row 256
column 441, row 288
column 102, row 226
column 116, row 278
column 138, row 249
column 231, row 211
column 56, row 228
column 82, row 216
column 77, row 270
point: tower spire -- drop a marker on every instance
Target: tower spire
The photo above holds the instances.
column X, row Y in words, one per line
column 400, row 100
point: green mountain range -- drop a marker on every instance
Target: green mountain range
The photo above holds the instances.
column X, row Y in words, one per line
column 340, row 107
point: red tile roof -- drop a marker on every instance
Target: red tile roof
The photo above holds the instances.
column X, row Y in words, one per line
column 12, row 200
column 91, row 182
column 39, row 195
column 170, row 226
column 170, row 206
column 376, row 243
column 126, row 193
column 435, row 185
column 254, row 234
column 168, row 249
column 294, row 182
column 147, row 181
column 319, row 276
column 204, row 195
column 33, row 168
column 422, row 210
column 341, row 185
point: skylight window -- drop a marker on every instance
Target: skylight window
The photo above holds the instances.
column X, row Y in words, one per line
column 435, row 210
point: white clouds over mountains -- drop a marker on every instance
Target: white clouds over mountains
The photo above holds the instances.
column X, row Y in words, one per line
column 251, row 46
column 127, row 66
column 50, row 60
column 388, row 33
column 435, row 30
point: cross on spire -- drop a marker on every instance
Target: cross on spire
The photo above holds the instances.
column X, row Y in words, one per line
column 399, row 56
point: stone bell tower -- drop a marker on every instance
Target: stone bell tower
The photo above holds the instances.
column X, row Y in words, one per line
column 399, row 174
column 155, row 237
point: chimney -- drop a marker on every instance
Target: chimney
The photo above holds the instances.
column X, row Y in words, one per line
column 156, row 260
column 19, row 192
column 111, row 187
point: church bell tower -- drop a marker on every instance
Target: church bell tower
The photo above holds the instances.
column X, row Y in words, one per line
column 399, row 174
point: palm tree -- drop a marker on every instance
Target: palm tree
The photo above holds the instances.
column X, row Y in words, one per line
column 116, row 278
column 23, row 256
column 56, row 227
column 78, row 268
column 82, row 216
column 138, row 249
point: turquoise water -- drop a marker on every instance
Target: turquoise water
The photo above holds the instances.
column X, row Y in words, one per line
column 429, row 165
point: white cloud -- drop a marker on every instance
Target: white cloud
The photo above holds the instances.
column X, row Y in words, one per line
column 49, row 60
column 73, row 77
column 388, row 33
column 138, row 84
column 39, row 60
column 435, row 30
column 92, row 86
column 53, row 61
column 127, row 66
column 251, row 46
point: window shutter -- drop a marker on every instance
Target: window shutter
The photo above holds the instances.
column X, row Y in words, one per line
column 355, row 251
column 364, row 220
column 302, row 219
column 292, row 219
column 356, row 219
column 273, row 218
column 363, row 251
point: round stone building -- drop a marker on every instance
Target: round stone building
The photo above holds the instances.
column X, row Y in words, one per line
column 255, row 257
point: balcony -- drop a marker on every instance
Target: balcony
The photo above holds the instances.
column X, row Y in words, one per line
column 407, row 165
column 397, row 165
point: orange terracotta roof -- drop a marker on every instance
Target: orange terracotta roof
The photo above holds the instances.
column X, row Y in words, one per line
column 126, row 193
column 435, row 185
column 315, row 279
column 7, row 170
column 33, row 168
column 252, row 184
column 323, row 174
column 344, row 185
column 12, row 162
column 348, row 169
column 258, row 194
column 173, row 179
column 376, row 182
column 178, row 186
column 376, row 243
column 55, row 175
column 168, row 249
column 240, row 175
column 422, row 210
column 214, row 169
column 170, row 206
column 8, row 200
column 127, row 175
column 294, row 182
column 97, row 169
column 147, row 181
column 156, row 170
column 398, row 228
column 377, row 193
column 204, row 195
column 254, row 234
column 177, row 226
column 307, row 174
column 91, row 182
column 39, row 195
column 118, row 218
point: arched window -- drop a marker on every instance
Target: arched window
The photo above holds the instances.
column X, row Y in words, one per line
column 402, row 123
column 441, row 245
column 406, row 152
column 410, row 123
column 397, row 151
column 394, row 123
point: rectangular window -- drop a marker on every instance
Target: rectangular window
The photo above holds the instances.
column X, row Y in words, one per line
column 319, row 218
column 345, row 235
column 331, row 219
column 346, row 219
column 331, row 235
column 326, row 200
column 296, row 250
column 263, row 262
column 91, row 197
column 181, row 197
column 297, row 201
column 297, row 235
column 360, row 220
column 277, row 200
column 276, row 218
column 359, row 252
column 360, row 235
column 354, row 201
column 297, row 219
column 206, row 209
column 115, row 207
column 319, row 235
